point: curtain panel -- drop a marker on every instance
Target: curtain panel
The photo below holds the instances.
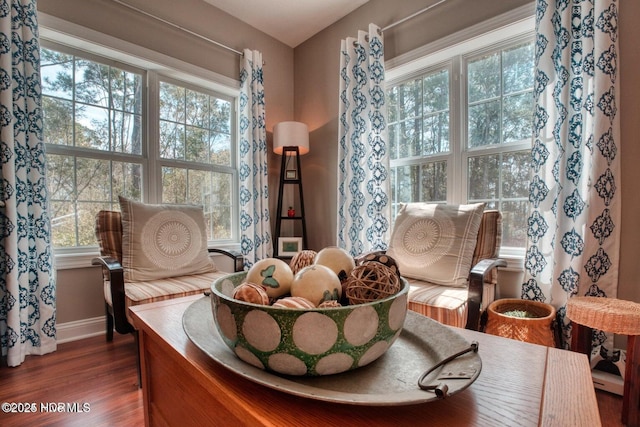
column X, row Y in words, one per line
column 27, row 276
column 255, row 234
column 364, row 208
column 574, row 225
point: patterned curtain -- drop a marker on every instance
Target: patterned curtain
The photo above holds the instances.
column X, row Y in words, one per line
column 27, row 276
column 363, row 155
column 255, row 234
column 574, row 226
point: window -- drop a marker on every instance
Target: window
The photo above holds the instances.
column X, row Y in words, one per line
column 107, row 136
column 460, row 129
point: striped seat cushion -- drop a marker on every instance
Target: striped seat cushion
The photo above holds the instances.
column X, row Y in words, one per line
column 447, row 305
column 138, row 293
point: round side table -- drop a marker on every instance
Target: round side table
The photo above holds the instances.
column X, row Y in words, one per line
column 619, row 317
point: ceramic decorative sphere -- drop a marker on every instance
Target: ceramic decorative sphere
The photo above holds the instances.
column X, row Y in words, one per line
column 316, row 283
column 273, row 274
column 337, row 259
column 311, row 342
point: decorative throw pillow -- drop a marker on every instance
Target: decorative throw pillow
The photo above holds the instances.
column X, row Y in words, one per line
column 161, row 241
column 435, row 242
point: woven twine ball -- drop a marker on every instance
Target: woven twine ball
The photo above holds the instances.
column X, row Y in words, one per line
column 382, row 258
column 371, row 281
column 301, row 260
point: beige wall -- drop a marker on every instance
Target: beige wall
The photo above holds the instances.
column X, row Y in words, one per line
column 316, row 103
column 80, row 290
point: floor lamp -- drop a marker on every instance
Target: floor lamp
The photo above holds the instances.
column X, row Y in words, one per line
column 290, row 139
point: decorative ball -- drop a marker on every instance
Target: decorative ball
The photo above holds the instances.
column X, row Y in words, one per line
column 316, row 283
column 301, row 260
column 293, row 302
column 250, row 292
column 273, row 274
column 382, row 258
column 337, row 259
column 329, row 304
column 371, row 281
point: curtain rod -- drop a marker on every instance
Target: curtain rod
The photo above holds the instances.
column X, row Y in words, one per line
column 413, row 15
column 157, row 18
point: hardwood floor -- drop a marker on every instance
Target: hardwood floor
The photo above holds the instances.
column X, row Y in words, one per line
column 103, row 375
column 92, row 371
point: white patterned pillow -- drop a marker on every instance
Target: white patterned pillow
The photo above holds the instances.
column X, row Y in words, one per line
column 161, row 241
column 435, row 242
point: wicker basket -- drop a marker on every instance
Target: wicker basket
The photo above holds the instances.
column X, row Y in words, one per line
column 537, row 329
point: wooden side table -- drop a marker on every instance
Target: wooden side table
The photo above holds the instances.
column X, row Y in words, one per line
column 619, row 317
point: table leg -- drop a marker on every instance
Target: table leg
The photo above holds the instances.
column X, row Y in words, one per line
column 631, row 398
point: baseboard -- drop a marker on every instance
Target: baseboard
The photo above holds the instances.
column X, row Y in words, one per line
column 79, row 329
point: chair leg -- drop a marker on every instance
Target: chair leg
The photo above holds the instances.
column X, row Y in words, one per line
column 109, row 322
column 137, row 339
column 631, row 395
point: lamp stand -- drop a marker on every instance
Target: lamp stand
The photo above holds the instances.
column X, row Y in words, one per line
column 285, row 180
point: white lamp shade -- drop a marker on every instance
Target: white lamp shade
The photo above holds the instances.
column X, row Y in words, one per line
column 290, row 134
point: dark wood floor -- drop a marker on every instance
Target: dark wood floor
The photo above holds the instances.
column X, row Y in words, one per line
column 90, row 371
column 103, row 375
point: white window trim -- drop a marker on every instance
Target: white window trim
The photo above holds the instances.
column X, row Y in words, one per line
column 76, row 36
column 517, row 23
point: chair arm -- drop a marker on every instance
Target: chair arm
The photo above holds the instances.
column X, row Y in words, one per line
column 115, row 274
column 477, row 277
column 238, row 259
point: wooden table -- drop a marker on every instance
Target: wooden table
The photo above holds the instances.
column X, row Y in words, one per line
column 520, row 384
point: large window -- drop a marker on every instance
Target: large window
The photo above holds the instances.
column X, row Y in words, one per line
column 107, row 136
column 460, row 131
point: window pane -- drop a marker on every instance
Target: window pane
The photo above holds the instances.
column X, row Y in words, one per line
column 436, row 92
column 410, row 100
column 517, row 117
column 436, row 134
column 211, row 190
column 79, row 188
column 515, row 174
column 484, row 177
column 56, row 73
column 171, row 140
column 174, row 185
column 420, row 183
column 58, row 121
column 410, row 132
column 205, row 121
column 517, row 66
column 484, row 124
column 502, row 181
column 514, row 223
column 220, row 149
column 197, row 144
column 92, row 127
column 484, row 78
column 126, row 132
column 220, row 115
column 172, row 99
column 126, row 91
column 197, row 109
column 92, row 83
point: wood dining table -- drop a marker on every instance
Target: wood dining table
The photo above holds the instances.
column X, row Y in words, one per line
column 520, row 384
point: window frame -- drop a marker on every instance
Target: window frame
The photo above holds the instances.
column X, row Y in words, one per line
column 453, row 53
column 67, row 37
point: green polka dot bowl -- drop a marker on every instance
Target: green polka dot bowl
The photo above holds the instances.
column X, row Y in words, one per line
column 310, row 342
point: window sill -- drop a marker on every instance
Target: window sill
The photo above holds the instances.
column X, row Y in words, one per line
column 68, row 259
